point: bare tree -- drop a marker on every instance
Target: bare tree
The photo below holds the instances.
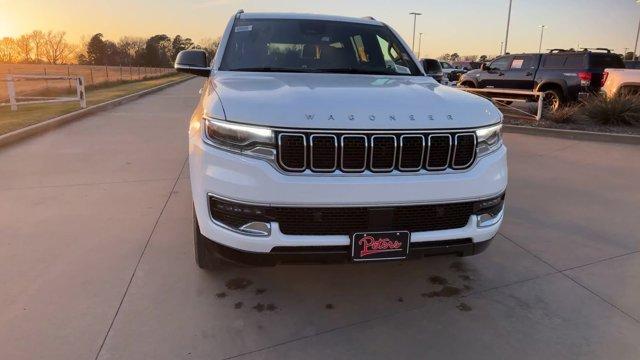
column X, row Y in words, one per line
column 56, row 49
column 8, row 53
column 131, row 47
column 209, row 45
column 38, row 40
column 25, row 47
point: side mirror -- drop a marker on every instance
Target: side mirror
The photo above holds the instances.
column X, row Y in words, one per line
column 403, row 70
column 485, row 67
column 193, row 62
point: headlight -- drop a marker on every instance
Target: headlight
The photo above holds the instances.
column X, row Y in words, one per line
column 253, row 140
column 489, row 139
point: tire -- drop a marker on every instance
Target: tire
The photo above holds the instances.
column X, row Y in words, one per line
column 553, row 100
column 467, row 84
column 206, row 258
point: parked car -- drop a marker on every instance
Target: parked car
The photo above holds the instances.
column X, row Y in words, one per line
column 432, row 68
column 450, row 71
column 621, row 82
column 562, row 75
column 467, row 65
column 307, row 145
column 632, row 64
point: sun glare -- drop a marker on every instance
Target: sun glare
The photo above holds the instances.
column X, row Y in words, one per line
column 5, row 26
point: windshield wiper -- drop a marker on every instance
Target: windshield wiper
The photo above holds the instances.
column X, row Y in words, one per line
column 272, row 69
column 357, row 71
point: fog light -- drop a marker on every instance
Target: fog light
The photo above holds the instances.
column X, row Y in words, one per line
column 486, row 220
column 489, row 211
column 242, row 218
column 257, row 228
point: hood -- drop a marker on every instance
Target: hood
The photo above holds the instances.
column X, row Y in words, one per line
column 339, row 101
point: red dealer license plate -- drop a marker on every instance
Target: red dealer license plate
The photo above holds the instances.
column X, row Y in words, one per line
column 372, row 246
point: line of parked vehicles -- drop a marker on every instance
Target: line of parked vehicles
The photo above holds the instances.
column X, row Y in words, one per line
column 563, row 76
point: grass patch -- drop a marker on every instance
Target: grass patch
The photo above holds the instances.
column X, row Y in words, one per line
column 33, row 114
column 620, row 110
column 565, row 114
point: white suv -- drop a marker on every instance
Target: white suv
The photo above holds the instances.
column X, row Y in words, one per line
column 320, row 139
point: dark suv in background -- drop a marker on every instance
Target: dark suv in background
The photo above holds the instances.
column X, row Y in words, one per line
column 563, row 75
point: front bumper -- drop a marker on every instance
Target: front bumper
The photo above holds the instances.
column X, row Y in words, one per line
column 340, row 254
column 254, row 181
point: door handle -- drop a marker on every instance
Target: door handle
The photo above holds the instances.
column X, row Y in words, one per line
column 500, row 74
column 529, row 73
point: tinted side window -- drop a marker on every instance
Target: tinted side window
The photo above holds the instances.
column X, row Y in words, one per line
column 554, row 61
column 502, row 63
column 606, row 61
column 574, row 61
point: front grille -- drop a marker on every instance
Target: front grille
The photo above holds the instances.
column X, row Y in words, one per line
column 348, row 220
column 344, row 221
column 354, row 153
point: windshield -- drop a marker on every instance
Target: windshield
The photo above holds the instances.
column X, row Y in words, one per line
column 278, row 45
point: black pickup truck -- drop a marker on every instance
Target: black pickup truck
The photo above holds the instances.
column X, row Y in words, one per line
column 563, row 75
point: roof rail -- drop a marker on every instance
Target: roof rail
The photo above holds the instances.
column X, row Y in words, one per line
column 368, row 17
column 239, row 12
column 608, row 51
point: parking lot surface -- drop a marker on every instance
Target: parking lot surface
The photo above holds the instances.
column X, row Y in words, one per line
column 96, row 261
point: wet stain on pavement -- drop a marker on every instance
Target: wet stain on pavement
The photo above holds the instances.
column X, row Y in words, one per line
column 464, row 307
column 260, row 307
column 400, row 299
column 459, row 266
column 438, row 280
column 238, row 283
column 329, row 307
column 238, row 305
column 446, row 291
column 260, row 291
column 221, row 295
column 464, row 277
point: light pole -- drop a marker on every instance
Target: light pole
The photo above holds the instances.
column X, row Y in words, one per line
column 506, row 37
column 635, row 48
column 501, row 43
column 541, row 35
column 415, row 15
column 419, row 44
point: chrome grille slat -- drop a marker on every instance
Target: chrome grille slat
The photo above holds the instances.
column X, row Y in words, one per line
column 320, row 155
column 436, row 152
column 464, row 149
column 403, row 149
column 381, row 156
column 349, row 152
column 285, row 142
column 346, row 147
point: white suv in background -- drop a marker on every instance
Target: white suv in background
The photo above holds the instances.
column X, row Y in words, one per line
column 320, row 139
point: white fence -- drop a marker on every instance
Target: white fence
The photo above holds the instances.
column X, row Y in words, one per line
column 502, row 97
column 15, row 100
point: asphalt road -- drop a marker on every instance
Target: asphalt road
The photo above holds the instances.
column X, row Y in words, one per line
column 96, row 261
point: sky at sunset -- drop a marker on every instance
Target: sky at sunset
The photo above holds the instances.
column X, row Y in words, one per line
column 463, row 26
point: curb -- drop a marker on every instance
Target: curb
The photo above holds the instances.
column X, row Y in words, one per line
column 573, row 134
column 56, row 122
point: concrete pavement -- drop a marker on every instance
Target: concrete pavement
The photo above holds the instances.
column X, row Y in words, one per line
column 96, row 261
